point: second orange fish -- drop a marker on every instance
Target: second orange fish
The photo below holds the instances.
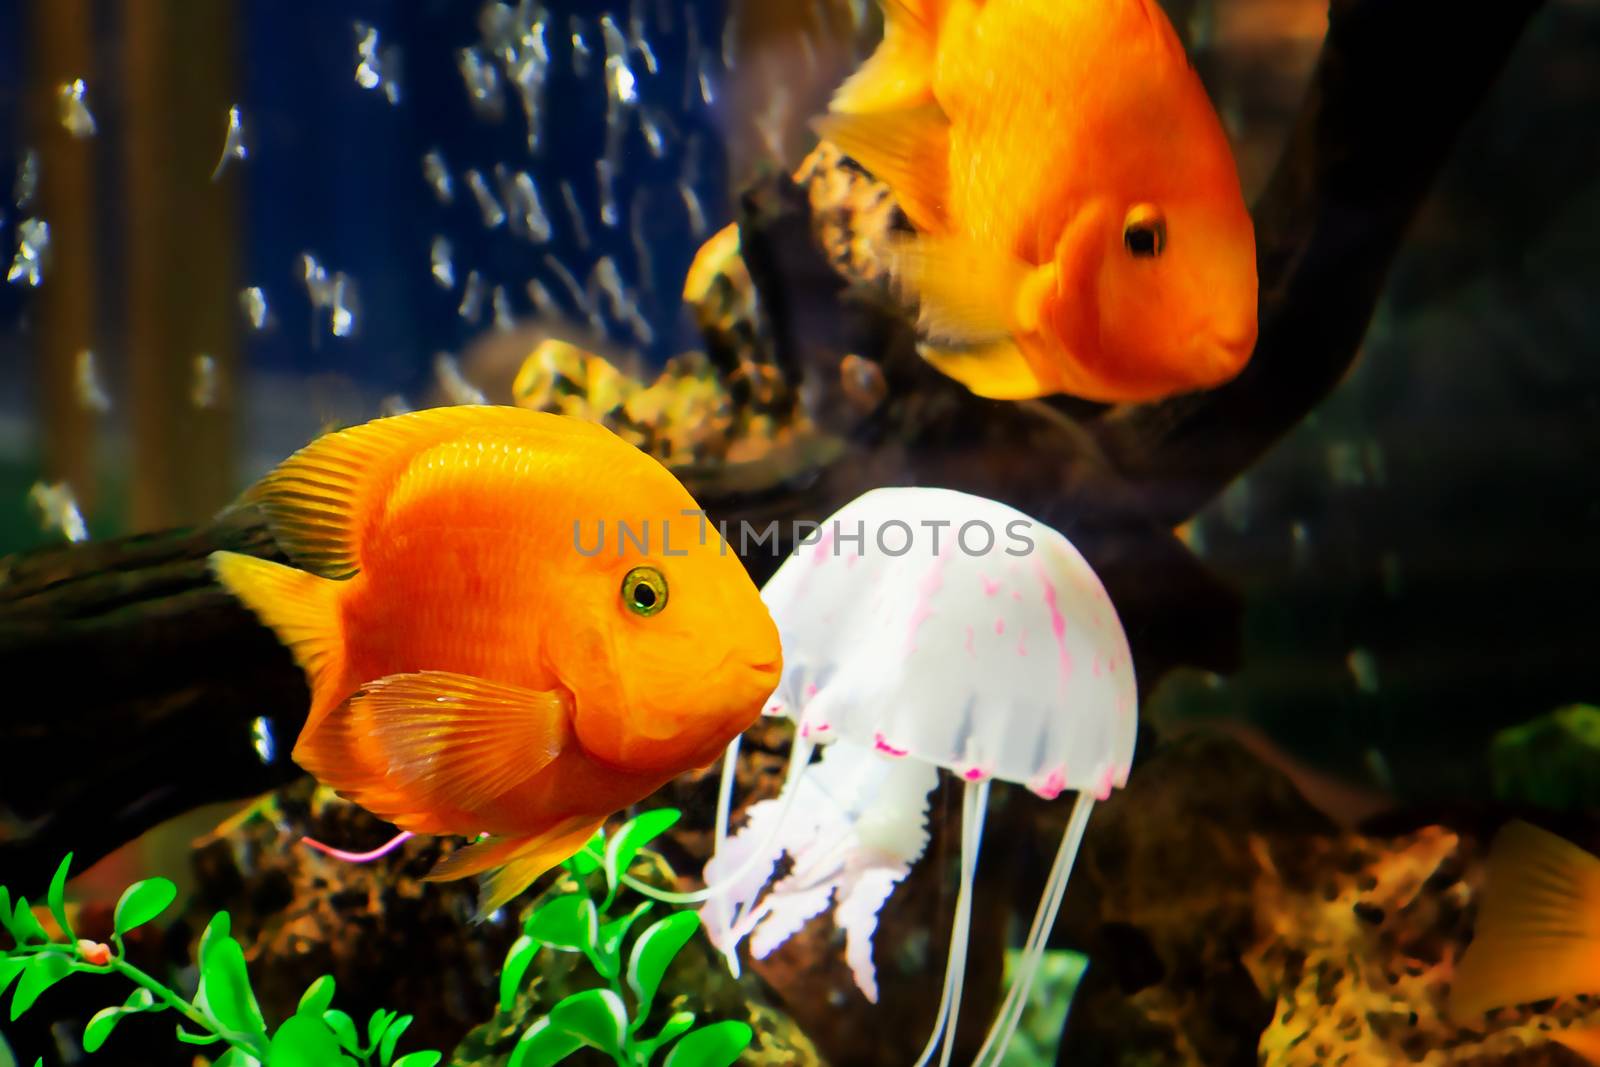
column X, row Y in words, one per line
column 1081, row 224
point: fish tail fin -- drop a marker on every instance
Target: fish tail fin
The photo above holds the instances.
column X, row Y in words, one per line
column 511, row 864
column 1538, row 932
column 302, row 609
column 900, row 73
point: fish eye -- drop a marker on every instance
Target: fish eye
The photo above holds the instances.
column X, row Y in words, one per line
column 644, row 591
column 1144, row 232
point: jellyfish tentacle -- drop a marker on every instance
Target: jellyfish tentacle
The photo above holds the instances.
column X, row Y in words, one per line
column 1044, row 920
column 974, row 803
column 799, row 756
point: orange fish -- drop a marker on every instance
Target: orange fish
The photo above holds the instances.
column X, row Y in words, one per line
column 488, row 649
column 1538, row 932
column 1081, row 225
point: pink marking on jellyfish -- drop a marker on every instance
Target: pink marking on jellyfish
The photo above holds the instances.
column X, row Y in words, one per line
column 999, row 625
column 1058, row 622
column 811, row 690
column 1105, row 782
column 970, row 650
column 1125, row 704
column 1022, row 642
column 1051, row 785
column 932, row 581
column 359, row 857
column 976, row 773
column 990, row 586
column 1098, row 666
column 1120, row 774
column 774, row 708
column 852, row 559
column 1016, row 594
column 820, row 556
column 880, row 743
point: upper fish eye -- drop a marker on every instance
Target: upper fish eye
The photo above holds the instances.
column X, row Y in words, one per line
column 1144, row 232
column 644, row 591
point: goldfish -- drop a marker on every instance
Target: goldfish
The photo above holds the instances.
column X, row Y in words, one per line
column 482, row 658
column 1538, row 932
column 1081, row 227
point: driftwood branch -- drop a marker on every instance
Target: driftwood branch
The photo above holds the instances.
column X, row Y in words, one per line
column 150, row 678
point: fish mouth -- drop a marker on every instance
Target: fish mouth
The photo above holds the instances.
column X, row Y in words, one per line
column 1220, row 357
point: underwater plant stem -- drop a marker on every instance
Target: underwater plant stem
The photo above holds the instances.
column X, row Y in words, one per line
column 730, row 767
column 1044, row 919
column 242, row 1042
column 799, row 757
column 974, row 802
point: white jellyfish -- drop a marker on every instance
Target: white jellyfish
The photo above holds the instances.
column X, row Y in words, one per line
column 925, row 628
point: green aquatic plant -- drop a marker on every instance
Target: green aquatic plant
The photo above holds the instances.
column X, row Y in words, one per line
column 223, row 1010
column 612, row 1016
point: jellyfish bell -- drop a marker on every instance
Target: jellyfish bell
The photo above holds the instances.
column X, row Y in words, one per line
column 935, row 625
column 943, row 630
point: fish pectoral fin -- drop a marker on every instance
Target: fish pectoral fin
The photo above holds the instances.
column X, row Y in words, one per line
column 968, row 294
column 1538, row 932
column 512, row 863
column 900, row 72
column 998, row 370
column 908, row 150
column 459, row 740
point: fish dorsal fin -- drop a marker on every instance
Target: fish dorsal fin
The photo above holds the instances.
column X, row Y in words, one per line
column 315, row 500
column 908, row 150
column 998, row 370
column 900, row 72
column 459, row 741
column 1538, row 932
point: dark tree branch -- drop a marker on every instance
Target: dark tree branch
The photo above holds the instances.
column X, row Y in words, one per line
column 1394, row 85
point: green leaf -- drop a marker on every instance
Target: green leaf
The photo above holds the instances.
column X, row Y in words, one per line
column 377, row 1025
column 196, row 1039
column 5, row 921
column 391, row 1037
column 303, row 1041
column 8, row 1058
column 627, row 842
column 569, row 923
column 612, row 933
column 318, row 995
column 543, row 1044
column 343, row 1027
column 420, row 1059
column 521, row 956
column 24, row 927
column 717, row 1045
column 654, row 952
column 598, row 1016
column 40, row 974
column 225, row 982
column 10, row 967
column 100, row 1026
column 143, row 901
column 57, row 898
column 678, row 1024
column 586, row 860
column 236, row 1057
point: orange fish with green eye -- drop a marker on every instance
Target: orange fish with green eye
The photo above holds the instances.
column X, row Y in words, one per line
column 1081, row 226
column 512, row 622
